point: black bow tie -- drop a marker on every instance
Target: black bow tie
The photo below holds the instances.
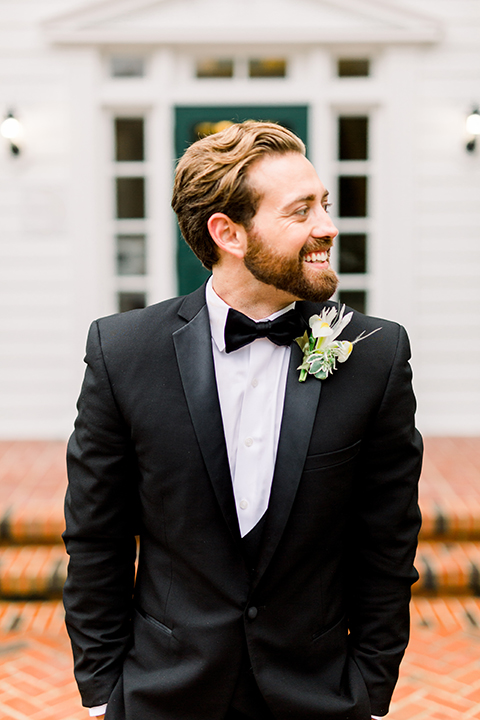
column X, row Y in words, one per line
column 240, row 330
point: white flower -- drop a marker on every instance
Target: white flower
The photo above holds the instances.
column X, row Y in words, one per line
column 321, row 349
column 320, row 328
column 345, row 347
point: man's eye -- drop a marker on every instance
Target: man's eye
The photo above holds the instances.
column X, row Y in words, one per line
column 303, row 211
column 326, row 206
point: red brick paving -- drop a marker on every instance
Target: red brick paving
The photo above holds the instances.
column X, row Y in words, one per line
column 440, row 676
column 36, row 678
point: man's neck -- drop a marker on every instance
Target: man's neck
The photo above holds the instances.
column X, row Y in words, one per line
column 249, row 296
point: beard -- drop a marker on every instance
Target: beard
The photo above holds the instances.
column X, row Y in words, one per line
column 288, row 272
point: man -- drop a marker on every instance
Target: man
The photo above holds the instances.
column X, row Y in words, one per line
column 277, row 518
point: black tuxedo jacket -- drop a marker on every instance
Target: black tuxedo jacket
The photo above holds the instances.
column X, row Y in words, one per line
column 332, row 582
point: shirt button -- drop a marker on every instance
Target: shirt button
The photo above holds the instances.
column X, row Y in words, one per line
column 248, row 442
column 252, row 613
column 254, row 382
column 243, row 504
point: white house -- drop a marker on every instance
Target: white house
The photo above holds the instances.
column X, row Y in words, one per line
column 108, row 93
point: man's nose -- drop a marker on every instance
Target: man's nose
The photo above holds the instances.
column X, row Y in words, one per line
column 324, row 227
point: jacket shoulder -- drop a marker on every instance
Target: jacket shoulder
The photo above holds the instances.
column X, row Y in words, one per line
column 141, row 318
column 161, row 317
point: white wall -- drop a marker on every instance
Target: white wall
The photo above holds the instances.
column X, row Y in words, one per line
column 37, row 356
column 446, row 223
column 51, row 219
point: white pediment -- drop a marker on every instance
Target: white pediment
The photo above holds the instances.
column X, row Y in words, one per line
column 241, row 21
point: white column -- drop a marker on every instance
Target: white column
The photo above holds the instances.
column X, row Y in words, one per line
column 87, row 203
column 163, row 239
column 394, row 195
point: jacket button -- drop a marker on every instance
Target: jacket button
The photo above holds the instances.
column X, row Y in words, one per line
column 252, row 613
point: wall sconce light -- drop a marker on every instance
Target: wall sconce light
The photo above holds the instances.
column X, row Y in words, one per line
column 473, row 129
column 11, row 129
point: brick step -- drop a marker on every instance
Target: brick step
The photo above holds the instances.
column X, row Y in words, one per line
column 450, row 518
column 32, row 571
column 450, row 489
column 33, row 483
column 448, row 568
column 32, row 487
column 36, row 523
column 31, row 524
column 39, row 571
column 36, row 617
column 44, row 526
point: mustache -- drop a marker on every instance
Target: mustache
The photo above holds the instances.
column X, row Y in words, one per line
column 319, row 246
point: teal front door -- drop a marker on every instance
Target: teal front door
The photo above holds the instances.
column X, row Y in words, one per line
column 191, row 123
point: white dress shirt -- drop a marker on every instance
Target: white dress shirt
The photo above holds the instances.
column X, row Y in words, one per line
column 99, row 710
column 251, row 388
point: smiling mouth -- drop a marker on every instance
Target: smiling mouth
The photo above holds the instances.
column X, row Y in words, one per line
column 317, row 257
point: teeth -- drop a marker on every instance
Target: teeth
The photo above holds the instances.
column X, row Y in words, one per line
column 317, row 257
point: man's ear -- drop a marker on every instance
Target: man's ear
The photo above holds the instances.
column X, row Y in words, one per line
column 227, row 235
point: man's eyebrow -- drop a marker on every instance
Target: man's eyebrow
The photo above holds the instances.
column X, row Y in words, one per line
column 306, row 198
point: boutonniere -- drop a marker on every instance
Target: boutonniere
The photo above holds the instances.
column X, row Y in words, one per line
column 321, row 349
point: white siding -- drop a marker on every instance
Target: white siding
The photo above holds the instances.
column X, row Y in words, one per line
column 446, row 226
column 40, row 357
column 54, row 207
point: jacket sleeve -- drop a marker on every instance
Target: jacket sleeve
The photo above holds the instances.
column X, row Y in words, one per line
column 384, row 534
column 100, row 511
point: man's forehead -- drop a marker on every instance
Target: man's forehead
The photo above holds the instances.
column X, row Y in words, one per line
column 290, row 177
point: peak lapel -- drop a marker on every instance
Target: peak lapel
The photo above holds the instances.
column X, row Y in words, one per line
column 300, row 407
column 195, row 360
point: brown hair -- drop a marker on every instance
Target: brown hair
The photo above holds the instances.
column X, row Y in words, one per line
column 212, row 177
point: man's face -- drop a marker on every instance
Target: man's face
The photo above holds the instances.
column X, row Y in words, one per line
column 291, row 235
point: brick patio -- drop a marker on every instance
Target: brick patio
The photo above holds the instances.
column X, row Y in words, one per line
column 440, row 676
column 439, row 679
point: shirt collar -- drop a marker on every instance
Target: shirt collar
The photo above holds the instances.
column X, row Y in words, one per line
column 218, row 311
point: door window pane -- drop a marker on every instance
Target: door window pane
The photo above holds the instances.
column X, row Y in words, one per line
column 127, row 66
column 131, row 255
column 353, row 253
column 353, row 138
column 353, row 195
column 131, row 301
column 209, row 128
column 130, row 197
column 267, row 68
column 356, row 299
column 129, row 137
column 351, row 67
column 215, row 68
